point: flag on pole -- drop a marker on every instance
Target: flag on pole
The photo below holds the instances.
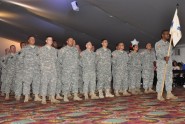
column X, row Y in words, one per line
column 175, row 29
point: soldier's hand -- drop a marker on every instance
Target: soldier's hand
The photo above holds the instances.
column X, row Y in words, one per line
column 166, row 58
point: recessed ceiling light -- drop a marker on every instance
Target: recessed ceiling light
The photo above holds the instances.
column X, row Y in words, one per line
column 74, row 5
column 110, row 16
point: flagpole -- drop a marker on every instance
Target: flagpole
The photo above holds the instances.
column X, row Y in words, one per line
column 166, row 65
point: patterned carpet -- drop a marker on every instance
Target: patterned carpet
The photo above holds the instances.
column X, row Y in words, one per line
column 139, row 109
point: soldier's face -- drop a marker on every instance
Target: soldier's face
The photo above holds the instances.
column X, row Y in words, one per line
column 89, row 45
column 166, row 35
column 121, row 46
column 23, row 45
column 105, row 43
column 136, row 48
column 70, row 42
column 12, row 49
column 49, row 41
column 31, row 41
column 149, row 46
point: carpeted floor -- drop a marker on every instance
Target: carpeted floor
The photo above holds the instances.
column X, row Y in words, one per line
column 140, row 109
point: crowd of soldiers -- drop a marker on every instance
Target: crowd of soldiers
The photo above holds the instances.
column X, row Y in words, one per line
column 54, row 74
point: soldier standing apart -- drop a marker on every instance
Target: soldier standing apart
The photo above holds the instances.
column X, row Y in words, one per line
column 48, row 62
column 18, row 75
column 103, row 63
column 89, row 71
column 161, row 48
column 148, row 59
column 120, row 62
column 135, row 69
column 69, row 58
column 31, row 66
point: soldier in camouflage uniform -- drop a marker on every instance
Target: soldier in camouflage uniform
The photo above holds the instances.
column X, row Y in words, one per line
column 135, row 69
column 59, row 79
column 59, row 71
column 148, row 58
column 161, row 48
column 3, row 71
column 89, row 71
column 80, row 81
column 104, row 76
column 113, row 67
column 120, row 62
column 18, row 75
column 10, row 68
column 31, row 75
column 69, row 58
column 48, row 62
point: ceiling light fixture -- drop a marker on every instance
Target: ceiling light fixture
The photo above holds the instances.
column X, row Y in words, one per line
column 74, row 5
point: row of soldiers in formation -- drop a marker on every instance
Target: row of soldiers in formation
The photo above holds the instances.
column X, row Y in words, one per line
column 47, row 71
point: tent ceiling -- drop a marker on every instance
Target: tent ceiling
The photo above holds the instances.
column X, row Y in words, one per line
column 115, row 20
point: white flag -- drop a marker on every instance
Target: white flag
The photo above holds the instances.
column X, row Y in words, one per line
column 175, row 30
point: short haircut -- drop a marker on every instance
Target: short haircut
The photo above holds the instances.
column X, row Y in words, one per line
column 119, row 43
column 30, row 37
column 69, row 38
column 163, row 31
column 12, row 46
column 103, row 40
column 148, row 43
column 22, row 43
column 48, row 37
column 88, row 42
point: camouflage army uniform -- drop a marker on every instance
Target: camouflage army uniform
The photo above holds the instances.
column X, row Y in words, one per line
column 135, row 69
column 104, row 76
column 148, row 58
column 4, row 72
column 48, row 61
column 161, row 48
column 10, row 75
column 120, row 62
column 80, row 81
column 69, row 58
column 113, row 71
column 59, row 76
column 19, row 76
column 31, row 66
column 89, row 70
